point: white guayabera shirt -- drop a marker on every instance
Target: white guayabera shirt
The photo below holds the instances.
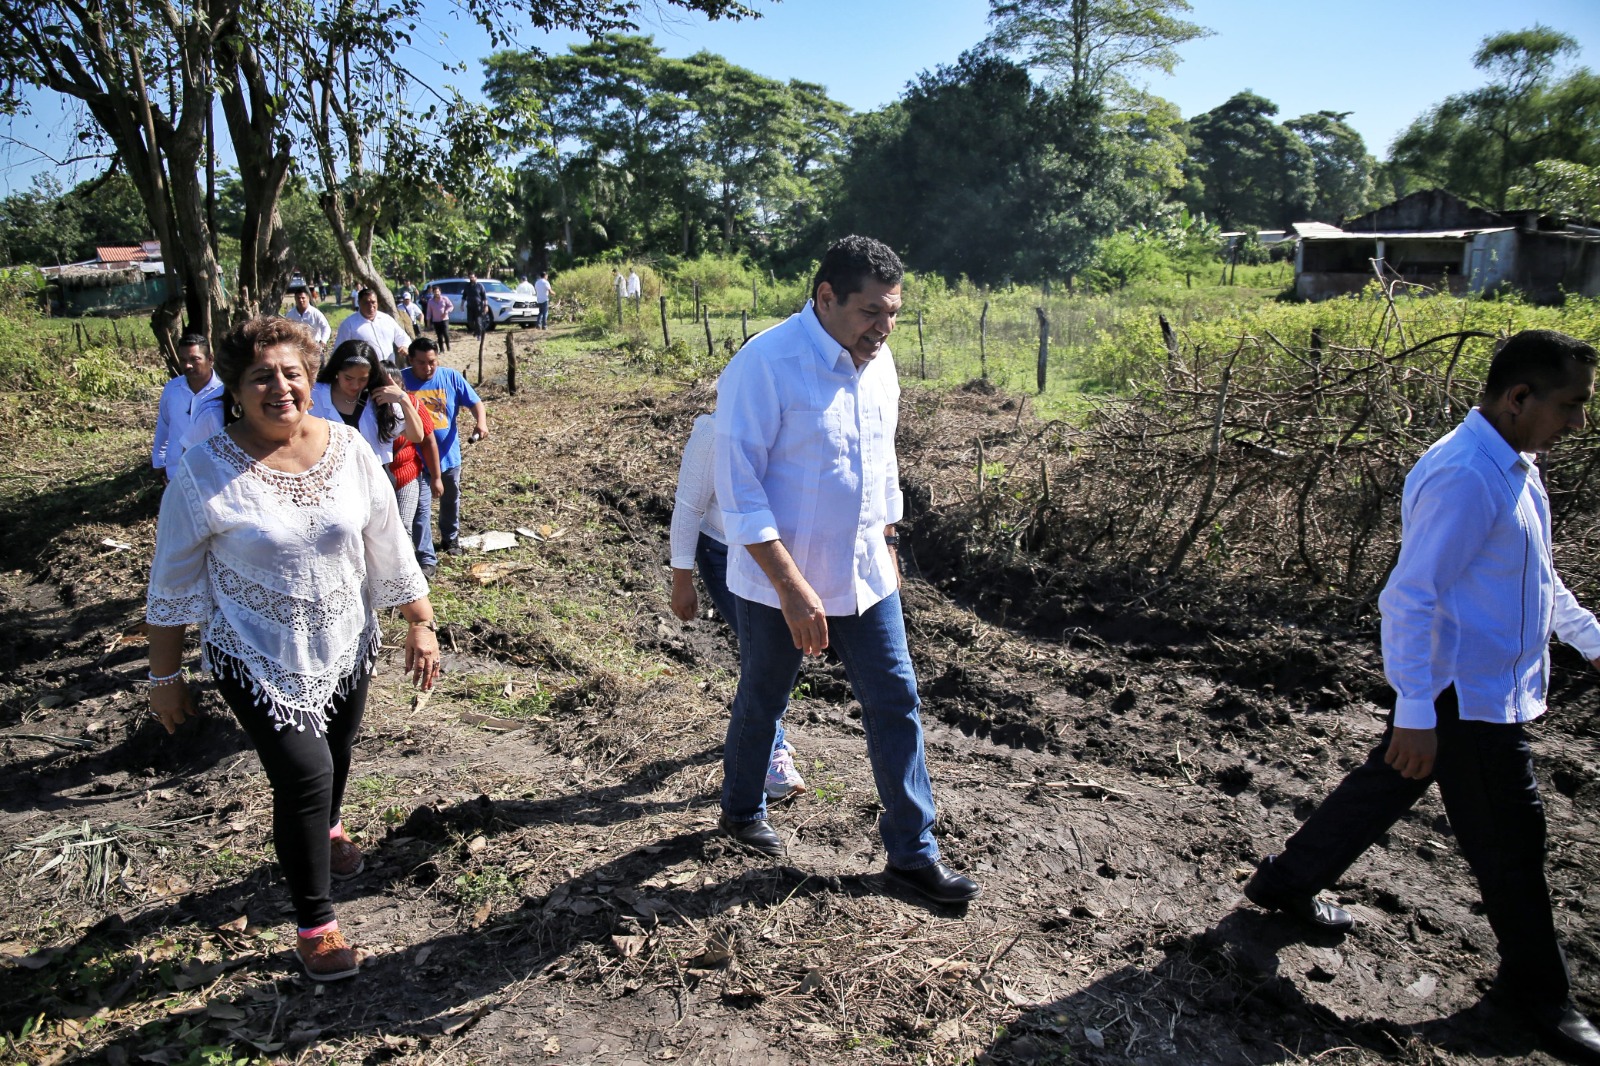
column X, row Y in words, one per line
column 805, row 453
column 1475, row 595
column 694, row 505
column 284, row 573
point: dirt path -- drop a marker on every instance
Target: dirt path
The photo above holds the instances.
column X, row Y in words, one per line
column 544, row 883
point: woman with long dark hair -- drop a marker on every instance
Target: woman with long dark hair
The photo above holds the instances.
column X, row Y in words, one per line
column 353, row 388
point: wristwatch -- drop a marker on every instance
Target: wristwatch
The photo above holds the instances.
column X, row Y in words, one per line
column 429, row 622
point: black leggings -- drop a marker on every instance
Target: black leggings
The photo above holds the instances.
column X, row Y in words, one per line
column 308, row 775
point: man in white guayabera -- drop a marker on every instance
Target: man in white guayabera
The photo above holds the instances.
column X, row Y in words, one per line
column 1468, row 613
column 195, row 396
column 809, row 487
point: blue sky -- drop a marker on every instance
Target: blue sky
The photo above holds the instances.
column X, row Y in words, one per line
column 1386, row 61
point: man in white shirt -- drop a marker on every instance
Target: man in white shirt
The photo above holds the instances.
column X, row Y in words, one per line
column 524, row 286
column 541, row 297
column 373, row 326
column 305, row 313
column 1467, row 618
column 411, row 311
column 184, row 400
column 809, row 487
column 633, row 284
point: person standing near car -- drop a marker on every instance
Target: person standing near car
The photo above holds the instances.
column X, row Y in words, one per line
column 444, row 392
column 541, row 298
column 437, row 312
column 475, row 301
column 1467, row 616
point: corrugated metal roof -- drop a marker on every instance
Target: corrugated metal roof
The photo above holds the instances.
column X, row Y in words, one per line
column 121, row 253
column 1317, row 231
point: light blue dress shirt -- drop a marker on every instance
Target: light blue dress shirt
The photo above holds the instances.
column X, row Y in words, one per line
column 1474, row 597
column 804, row 451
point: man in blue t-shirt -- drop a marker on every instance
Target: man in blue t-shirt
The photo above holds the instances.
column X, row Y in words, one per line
column 443, row 392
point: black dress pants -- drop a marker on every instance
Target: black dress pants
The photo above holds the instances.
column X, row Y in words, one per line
column 1485, row 775
column 308, row 775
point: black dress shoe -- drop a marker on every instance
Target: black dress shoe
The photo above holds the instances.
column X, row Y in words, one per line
column 1317, row 913
column 1567, row 1034
column 938, row 882
column 757, row 836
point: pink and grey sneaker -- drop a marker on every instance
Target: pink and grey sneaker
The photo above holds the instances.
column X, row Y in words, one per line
column 344, row 858
column 783, row 780
column 327, row 956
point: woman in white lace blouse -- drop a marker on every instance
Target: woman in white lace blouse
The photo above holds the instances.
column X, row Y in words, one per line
column 280, row 539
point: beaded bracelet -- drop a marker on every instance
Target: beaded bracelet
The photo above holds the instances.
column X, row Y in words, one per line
column 171, row 679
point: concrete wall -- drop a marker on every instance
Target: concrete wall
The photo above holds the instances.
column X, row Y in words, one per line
column 1492, row 260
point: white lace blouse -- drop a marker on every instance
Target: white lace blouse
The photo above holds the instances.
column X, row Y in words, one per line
column 284, row 573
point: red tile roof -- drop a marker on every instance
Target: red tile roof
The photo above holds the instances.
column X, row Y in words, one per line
column 121, row 253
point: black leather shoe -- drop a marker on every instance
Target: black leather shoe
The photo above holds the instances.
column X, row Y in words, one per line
column 757, row 836
column 1317, row 913
column 938, row 882
column 1570, row 1035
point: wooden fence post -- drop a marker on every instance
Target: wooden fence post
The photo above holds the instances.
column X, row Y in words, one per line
column 1044, row 346
column 744, row 324
column 921, row 347
column 711, row 350
column 511, row 366
column 1316, row 368
column 755, row 296
column 482, row 336
column 1171, row 340
column 666, row 335
column 697, row 300
column 619, row 307
column 983, row 342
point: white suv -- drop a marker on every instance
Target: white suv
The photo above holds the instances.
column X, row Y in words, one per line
column 505, row 306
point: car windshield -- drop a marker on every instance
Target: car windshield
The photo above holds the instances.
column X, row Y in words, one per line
column 496, row 286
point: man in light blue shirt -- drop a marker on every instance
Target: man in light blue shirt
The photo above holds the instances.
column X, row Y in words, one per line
column 809, row 488
column 1467, row 618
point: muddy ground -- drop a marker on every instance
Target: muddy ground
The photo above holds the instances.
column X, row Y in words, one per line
column 544, row 883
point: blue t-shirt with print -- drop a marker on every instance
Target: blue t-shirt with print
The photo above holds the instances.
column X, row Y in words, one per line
column 443, row 395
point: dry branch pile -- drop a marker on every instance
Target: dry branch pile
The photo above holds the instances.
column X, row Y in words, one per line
column 1270, row 464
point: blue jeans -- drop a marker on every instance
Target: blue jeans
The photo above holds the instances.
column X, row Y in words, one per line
column 422, row 525
column 450, row 506
column 872, row 646
column 711, row 558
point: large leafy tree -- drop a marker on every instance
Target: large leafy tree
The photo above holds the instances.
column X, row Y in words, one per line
column 637, row 151
column 1480, row 144
column 1094, row 49
column 46, row 224
column 150, row 71
column 979, row 171
column 1245, row 169
column 1342, row 166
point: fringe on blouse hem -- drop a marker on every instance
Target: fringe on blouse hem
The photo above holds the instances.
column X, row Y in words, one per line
column 220, row 662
